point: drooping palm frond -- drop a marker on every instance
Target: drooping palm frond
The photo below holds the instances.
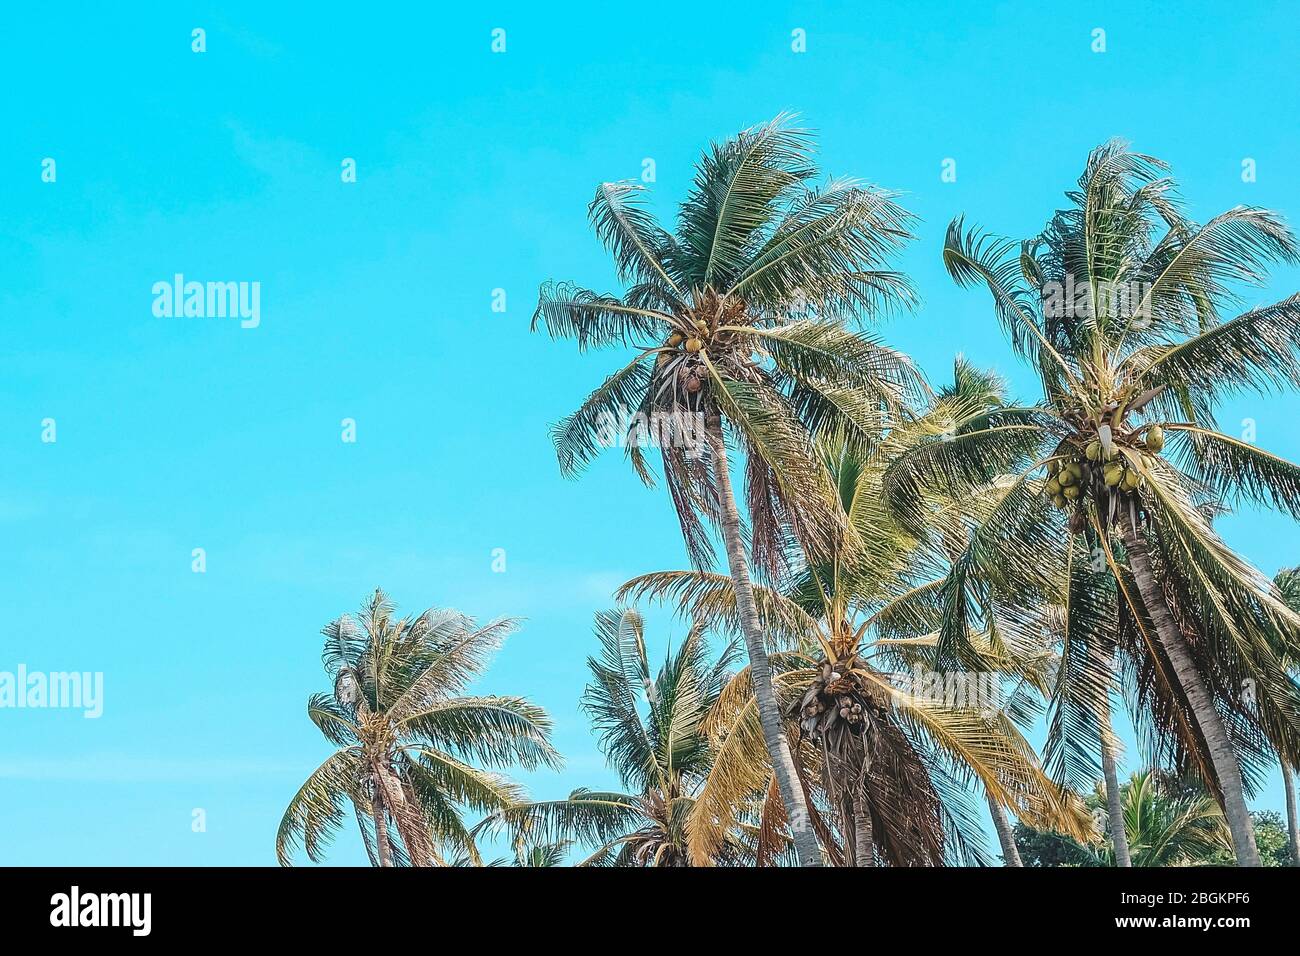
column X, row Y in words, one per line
column 704, row 596
column 585, row 817
column 316, row 811
column 1084, row 675
column 973, row 257
column 639, row 246
column 603, row 419
column 1235, row 470
column 1258, row 351
column 594, row 320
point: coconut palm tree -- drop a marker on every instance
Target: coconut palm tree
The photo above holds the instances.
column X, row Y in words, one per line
column 737, row 328
column 1118, row 307
column 408, row 737
column 650, row 730
column 857, row 628
column 1169, row 825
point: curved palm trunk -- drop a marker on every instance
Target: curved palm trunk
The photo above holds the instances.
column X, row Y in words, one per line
column 769, row 712
column 394, row 798
column 1292, row 830
column 382, row 849
column 1006, row 834
column 864, row 850
column 1114, row 804
column 1198, row 696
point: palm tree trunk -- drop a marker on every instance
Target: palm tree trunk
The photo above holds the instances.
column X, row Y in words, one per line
column 1006, row 834
column 1198, row 697
column 1114, row 804
column 382, row 849
column 760, row 671
column 864, row 850
column 1292, row 830
column 417, row 845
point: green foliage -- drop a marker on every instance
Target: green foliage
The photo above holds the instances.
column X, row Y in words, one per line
column 763, row 275
column 1148, row 342
column 414, row 750
column 650, row 728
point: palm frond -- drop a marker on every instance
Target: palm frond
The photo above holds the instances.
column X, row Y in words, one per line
column 594, row 320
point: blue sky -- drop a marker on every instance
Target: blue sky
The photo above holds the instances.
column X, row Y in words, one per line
column 473, row 173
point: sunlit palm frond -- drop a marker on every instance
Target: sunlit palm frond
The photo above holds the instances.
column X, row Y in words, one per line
column 603, row 418
column 594, row 320
column 495, row 731
column 737, row 194
column 705, row 596
column 640, row 247
column 316, row 810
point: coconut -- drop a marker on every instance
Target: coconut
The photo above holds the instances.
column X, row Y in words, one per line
column 694, row 345
column 1113, row 474
column 1052, row 487
column 1131, row 481
column 1059, row 501
column 1066, row 478
column 1093, row 451
column 675, row 340
column 1155, row 438
column 1072, row 492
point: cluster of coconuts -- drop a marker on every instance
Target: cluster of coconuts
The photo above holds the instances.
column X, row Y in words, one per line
column 847, row 707
column 834, row 697
column 1072, row 479
column 691, row 371
column 694, row 343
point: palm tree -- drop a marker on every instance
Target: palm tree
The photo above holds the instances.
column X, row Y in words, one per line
column 650, row 729
column 1168, row 825
column 738, row 329
column 1117, row 306
column 1288, row 583
column 408, row 737
column 858, row 630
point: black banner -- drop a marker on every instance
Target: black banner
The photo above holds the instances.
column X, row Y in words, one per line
column 339, row 905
